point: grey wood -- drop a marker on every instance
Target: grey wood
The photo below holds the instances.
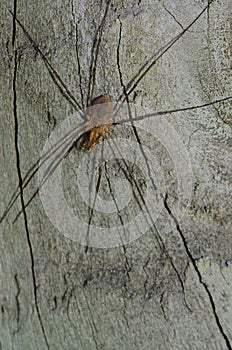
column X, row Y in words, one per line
column 171, row 287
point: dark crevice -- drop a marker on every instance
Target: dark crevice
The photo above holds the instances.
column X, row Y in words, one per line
column 17, row 302
column 162, row 306
column 17, row 153
column 193, row 261
column 55, row 303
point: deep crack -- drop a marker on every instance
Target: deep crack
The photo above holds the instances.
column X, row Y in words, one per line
column 17, row 302
column 212, row 303
column 20, row 179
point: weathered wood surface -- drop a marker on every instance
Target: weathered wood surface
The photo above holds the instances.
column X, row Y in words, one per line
column 53, row 293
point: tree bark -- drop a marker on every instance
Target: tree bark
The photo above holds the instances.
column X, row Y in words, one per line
column 167, row 283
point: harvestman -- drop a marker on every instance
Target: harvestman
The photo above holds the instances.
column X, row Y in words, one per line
column 98, row 119
column 97, row 125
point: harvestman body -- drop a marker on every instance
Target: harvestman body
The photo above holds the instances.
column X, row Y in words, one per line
column 99, row 117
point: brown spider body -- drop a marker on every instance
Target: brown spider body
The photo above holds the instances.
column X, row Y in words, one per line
column 99, row 117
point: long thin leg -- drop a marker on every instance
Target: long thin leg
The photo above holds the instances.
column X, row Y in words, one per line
column 95, row 53
column 172, row 111
column 146, row 68
column 55, row 76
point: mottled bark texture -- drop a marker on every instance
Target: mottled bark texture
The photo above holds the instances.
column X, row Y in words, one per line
column 169, row 288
